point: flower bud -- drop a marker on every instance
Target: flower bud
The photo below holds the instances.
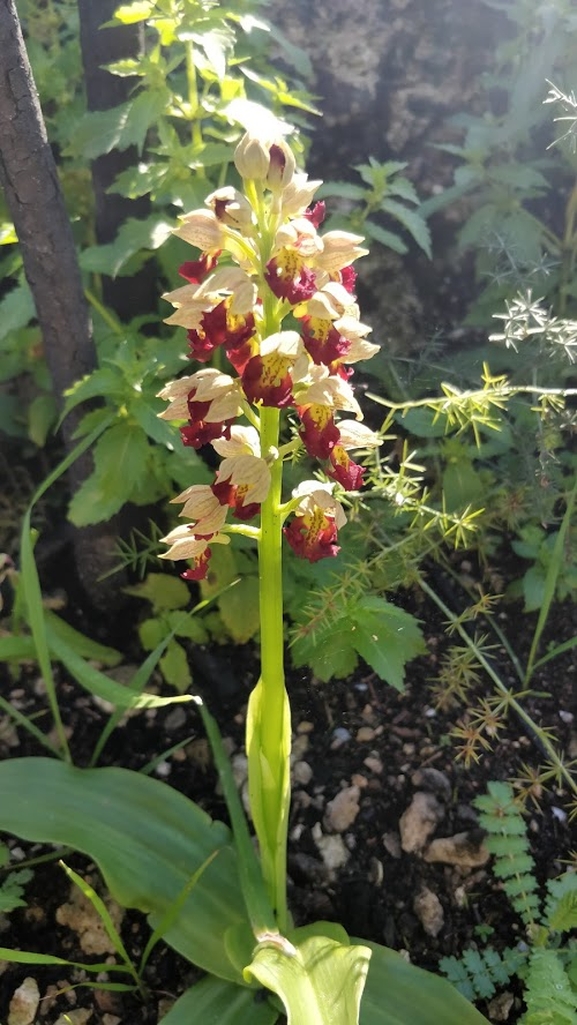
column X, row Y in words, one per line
column 281, row 167
column 252, row 157
column 231, row 208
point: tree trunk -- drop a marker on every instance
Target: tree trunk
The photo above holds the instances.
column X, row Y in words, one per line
column 29, row 178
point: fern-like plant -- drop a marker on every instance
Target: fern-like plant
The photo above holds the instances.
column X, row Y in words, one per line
column 545, row 961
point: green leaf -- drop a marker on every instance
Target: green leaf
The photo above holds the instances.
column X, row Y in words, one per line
column 328, row 651
column 319, row 980
column 147, row 840
column 17, row 649
column 133, row 236
column 102, row 686
column 16, row 309
column 139, row 10
column 397, row 993
column 412, row 221
column 12, row 889
column 215, row 1002
column 119, row 457
column 42, row 415
column 174, row 667
column 386, row 238
column 164, row 592
column 239, row 609
column 534, row 588
column 80, row 643
column 386, row 637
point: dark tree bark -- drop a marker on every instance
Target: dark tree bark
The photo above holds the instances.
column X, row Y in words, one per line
column 102, row 46
column 29, row 178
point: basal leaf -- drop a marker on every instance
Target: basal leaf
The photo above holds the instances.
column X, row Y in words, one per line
column 216, row 1002
column 398, row 993
column 147, row 840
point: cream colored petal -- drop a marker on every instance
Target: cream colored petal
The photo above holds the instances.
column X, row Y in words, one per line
column 242, row 441
column 357, row 435
column 247, row 470
column 201, row 229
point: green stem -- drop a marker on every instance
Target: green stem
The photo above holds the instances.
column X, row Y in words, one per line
column 272, row 702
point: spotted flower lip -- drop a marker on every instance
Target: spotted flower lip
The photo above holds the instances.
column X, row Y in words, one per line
column 316, row 493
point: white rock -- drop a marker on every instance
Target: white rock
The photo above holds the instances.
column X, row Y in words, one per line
column 464, row 849
column 331, row 848
column 302, row 773
column 24, row 1003
column 429, row 911
column 419, row 821
column 342, row 810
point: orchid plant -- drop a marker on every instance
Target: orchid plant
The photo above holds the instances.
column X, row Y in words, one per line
column 275, row 298
column 263, row 265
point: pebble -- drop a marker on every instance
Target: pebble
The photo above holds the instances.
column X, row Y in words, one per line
column 331, row 848
column 500, row 1006
column 340, row 736
column 466, row 850
column 434, row 780
column 175, row 719
column 374, row 763
column 302, row 773
column 365, row 734
column 80, row 916
column 305, row 727
column 419, row 821
column 429, row 911
column 24, row 1003
column 392, row 844
column 342, row 811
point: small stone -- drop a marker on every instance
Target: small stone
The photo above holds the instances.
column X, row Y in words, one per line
column 374, row 763
column 175, row 719
column 392, row 844
column 342, row 810
column 80, row 916
column 111, row 1019
column 341, row 736
column 419, row 821
column 305, row 727
column 24, row 1003
column 299, row 746
column 429, row 911
column 365, row 734
column 302, row 773
column 500, row 1006
column 331, row 848
column 434, row 780
column 359, row 780
column 466, row 850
